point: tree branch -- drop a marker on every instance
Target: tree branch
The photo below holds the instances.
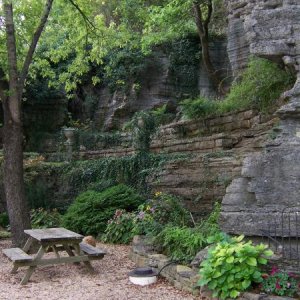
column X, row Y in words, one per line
column 35, row 39
column 209, row 14
column 198, row 18
column 85, row 18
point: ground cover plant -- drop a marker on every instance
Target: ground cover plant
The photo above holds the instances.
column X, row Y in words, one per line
column 280, row 283
column 91, row 210
column 232, row 266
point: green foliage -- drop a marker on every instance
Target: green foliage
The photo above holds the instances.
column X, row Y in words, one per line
column 131, row 170
column 209, row 227
column 37, row 194
column 142, row 126
column 162, row 115
column 45, row 218
column 279, row 283
column 122, row 68
column 91, row 210
column 5, row 234
column 98, row 140
column 232, row 265
column 120, row 229
column 168, row 209
column 259, row 88
column 184, row 56
column 198, row 108
column 4, row 220
column 150, row 219
column 181, row 243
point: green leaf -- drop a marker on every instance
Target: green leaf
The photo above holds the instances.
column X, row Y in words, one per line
column 262, row 260
column 251, row 261
column 245, row 284
column 230, row 259
column 268, row 253
column 234, row 294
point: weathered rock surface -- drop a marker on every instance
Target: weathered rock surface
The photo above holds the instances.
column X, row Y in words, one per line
column 269, row 28
column 270, row 181
column 157, row 87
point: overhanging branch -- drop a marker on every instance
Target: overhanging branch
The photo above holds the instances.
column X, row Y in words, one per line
column 35, row 39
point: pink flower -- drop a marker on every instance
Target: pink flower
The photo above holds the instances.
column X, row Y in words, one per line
column 274, row 270
column 278, row 287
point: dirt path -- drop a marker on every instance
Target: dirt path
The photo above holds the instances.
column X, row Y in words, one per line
column 63, row 282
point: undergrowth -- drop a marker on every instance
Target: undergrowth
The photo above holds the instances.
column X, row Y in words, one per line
column 259, row 87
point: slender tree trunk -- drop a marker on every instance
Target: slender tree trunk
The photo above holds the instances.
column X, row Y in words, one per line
column 202, row 28
column 18, row 211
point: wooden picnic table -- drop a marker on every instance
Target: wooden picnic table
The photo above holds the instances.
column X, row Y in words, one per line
column 53, row 240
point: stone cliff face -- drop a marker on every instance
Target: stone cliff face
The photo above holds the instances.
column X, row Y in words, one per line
column 268, row 28
column 158, row 86
column 270, row 180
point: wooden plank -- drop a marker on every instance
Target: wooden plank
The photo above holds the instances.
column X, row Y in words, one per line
column 57, row 261
column 17, row 254
column 53, row 234
column 91, row 251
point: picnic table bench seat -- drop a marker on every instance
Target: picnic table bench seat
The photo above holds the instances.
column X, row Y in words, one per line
column 17, row 255
column 91, row 251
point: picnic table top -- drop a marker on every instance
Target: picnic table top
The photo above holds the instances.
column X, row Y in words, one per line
column 53, row 234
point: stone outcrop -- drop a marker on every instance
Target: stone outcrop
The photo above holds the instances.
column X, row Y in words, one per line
column 157, row 87
column 268, row 28
column 270, row 180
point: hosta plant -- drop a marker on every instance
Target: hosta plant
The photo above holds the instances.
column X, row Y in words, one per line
column 232, row 266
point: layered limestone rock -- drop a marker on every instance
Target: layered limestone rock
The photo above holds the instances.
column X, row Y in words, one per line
column 270, row 181
column 268, row 28
column 157, row 87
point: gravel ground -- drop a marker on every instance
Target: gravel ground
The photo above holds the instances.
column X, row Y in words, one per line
column 69, row 281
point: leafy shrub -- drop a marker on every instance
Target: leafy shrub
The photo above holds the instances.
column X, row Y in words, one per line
column 121, row 228
column 42, row 218
column 91, row 210
column 197, row 108
column 232, row 265
column 149, row 219
column 259, row 87
column 181, row 243
column 279, row 283
column 95, row 140
column 4, row 220
column 163, row 115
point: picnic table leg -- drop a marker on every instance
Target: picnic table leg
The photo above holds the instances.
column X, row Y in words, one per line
column 25, row 249
column 87, row 263
column 28, row 244
column 31, row 269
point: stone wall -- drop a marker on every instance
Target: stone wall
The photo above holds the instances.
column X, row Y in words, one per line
column 216, row 147
column 270, row 180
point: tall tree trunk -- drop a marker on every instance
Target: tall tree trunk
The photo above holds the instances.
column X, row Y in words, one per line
column 202, row 28
column 18, row 211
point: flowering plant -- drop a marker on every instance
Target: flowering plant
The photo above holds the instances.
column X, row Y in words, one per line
column 120, row 229
column 279, row 283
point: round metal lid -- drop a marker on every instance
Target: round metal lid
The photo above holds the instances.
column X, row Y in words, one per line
column 143, row 272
